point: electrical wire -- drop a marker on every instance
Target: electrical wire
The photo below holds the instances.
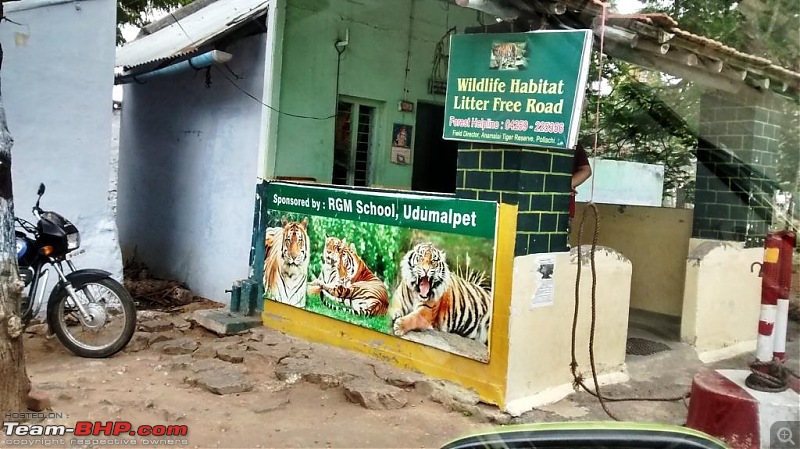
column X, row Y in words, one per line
column 178, row 22
column 10, row 21
column 235, row 75
column 244, row 91
column 408, row 49
column 339, row 52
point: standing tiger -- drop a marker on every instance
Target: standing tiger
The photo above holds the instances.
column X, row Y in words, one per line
column 354, row 287
column 506, row 56
column 429, row 296
column 286, row 261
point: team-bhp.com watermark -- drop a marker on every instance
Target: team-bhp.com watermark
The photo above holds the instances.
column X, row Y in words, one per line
column 92, row 433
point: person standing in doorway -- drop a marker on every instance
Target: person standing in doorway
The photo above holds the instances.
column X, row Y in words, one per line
column 581, row 171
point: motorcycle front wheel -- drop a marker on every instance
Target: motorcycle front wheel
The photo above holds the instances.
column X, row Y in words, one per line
column 112, row 322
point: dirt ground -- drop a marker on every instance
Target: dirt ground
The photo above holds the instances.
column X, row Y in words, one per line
column 280, row 391
column 298, row 391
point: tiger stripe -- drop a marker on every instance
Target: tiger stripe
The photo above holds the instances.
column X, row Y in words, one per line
column 357, row 289
column 286, row 261
column 453, row 304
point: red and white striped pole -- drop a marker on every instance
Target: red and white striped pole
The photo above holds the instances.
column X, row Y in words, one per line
column 770, row 290
column 785, row 283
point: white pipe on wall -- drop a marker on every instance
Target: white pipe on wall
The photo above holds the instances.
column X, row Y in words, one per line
column 198, row 62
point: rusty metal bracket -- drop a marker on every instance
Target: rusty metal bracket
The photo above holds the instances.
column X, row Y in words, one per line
column 760, row 268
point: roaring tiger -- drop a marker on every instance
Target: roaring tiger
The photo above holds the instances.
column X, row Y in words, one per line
column 286, row 262
column 355, row 288
column 429, row 296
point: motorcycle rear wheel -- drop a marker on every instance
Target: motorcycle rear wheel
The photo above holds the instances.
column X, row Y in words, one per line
column 61, row 315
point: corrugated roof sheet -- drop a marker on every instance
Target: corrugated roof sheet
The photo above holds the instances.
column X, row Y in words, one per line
column 189, row 33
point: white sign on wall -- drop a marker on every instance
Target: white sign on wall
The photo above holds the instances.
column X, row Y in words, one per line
column 545, row 288
column 623, row 183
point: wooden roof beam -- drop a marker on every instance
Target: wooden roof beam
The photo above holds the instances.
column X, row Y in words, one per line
column 759, row 82
column 642, row 44
column 658, row 34
column 712, row 65
column 616, row 34
column 683, row 57
column 733, row 73
column 698, row 75
column 702, row 50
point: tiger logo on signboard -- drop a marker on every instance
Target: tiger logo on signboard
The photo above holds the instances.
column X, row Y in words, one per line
column 508, row 56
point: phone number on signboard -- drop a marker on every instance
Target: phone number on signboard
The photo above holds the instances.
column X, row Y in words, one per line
column 539, row 126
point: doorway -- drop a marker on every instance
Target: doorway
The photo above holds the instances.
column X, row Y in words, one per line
column 435, row 159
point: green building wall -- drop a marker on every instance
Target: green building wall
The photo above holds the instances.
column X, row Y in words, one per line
column 372, row 70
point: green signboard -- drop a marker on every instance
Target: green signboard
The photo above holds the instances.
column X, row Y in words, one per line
column 442, row 214
column 517, row 88
column 414, row 266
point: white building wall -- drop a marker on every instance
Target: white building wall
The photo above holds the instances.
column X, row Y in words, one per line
column 57, row 78
column 187, row 171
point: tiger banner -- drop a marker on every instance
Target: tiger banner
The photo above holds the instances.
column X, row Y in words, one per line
column 413, row 266
column 517, row 88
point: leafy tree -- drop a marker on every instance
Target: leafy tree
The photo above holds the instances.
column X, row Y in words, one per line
column 766, row 28
column 652, row 118
column 717, row 19
column 139, row 12
column 644, row 119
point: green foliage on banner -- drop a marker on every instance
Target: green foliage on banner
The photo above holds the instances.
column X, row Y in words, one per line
column 374, row 243
column 464, row 253
column 382, row 248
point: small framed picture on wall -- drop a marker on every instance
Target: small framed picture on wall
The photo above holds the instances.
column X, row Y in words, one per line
column 401, row 144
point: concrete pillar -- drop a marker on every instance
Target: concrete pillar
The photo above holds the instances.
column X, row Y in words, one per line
column 721, row 299
column 540, row 338
column 537, row 180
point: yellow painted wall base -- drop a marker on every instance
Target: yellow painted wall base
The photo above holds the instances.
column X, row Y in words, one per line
column 655, row 240
column 488, row 380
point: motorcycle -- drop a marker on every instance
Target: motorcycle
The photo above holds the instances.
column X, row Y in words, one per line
column 84, row 303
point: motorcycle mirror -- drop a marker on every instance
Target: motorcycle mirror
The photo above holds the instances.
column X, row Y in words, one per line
column 41, row 189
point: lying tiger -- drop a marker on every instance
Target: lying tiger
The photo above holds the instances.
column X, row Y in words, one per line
column 346, row 283
column 286, row 261
column 329, row 274
column 429, row 296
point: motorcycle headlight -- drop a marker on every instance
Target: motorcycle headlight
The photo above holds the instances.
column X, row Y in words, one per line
column 73, row 241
